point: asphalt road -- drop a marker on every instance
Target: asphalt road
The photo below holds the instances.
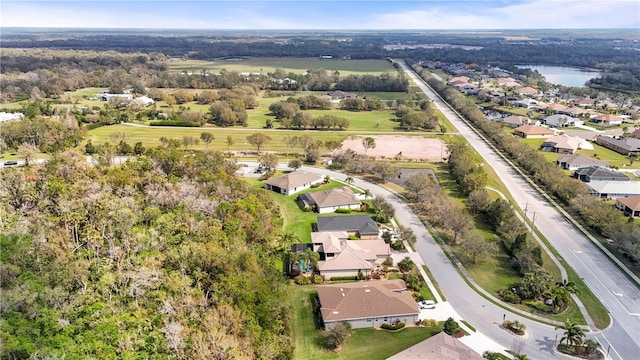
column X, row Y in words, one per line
column 620, row 296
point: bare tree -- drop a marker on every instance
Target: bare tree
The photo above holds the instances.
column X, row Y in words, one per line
column 27, row 152
column 368, row 143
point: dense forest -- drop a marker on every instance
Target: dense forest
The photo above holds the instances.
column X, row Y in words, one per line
column 168, row 256
column 616, row 56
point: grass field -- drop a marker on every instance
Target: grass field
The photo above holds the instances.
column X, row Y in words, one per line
column 365, row 344
column 295, row 65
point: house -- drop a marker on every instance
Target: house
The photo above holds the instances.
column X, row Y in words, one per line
column 527, row 91
column 514, row 121
column 525, row 103
column 438, row 347
column 7, row 117
column 293, row 182
column 143, row 100
column 583, row 102
column 597, row 173
column 607, row 119
column 107, row 97
column 330, row 200
column 367, row 304
column 563, row 144
column 614, row 189
column 361, row 226
column 577, row 161
column 624, row 146
column 533, row 132
column 630, row 206
column 554, row 107
column 558, row 120
column 575, row 111
column 340, row 256
column 341, row 95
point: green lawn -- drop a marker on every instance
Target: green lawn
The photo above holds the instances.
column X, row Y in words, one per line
column 295, row 220
column 295, row 65
column 365, row 344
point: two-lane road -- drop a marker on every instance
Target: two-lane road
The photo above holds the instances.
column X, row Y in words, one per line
column 606, row 281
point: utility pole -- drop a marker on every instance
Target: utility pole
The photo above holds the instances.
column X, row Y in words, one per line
column 533, row 221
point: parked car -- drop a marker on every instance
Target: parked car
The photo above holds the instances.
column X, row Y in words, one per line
column 10, row 163
column 427, row 304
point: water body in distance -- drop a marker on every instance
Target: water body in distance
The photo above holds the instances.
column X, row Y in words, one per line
column 563, row 75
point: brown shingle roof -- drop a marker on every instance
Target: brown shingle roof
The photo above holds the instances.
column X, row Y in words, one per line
column 632, row 202
column 293, row 179
column 365, row 300
column 438, row 347
column 334, row 197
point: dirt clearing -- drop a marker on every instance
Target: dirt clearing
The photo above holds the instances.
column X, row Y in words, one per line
column 392, row 146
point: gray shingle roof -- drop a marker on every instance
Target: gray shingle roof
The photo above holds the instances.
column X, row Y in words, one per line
column 361, row 223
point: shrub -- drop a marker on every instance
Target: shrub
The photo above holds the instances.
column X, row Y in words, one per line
column 307, row 208
column 539, row 305
column 315, row 185
column 174, row 123
column 360, row 275
column 429, row 322
column 388, row 261
column 397, row 245
column 392, row 327
column 451, row 326
column 336, row 335
column 317, row 279
column 339, row 278
column 343, row 211
column 509, row 297
column 302, row 280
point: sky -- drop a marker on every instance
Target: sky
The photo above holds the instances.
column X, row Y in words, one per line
column 323, row 15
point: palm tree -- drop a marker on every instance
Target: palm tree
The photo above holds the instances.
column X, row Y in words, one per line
column 570, row 286
column 367, row 194
column 591, row 346
column 560, row 296
column 573, row 333
column 287, row 238
column 349, row 180
column 310, row 257
column 520, row 357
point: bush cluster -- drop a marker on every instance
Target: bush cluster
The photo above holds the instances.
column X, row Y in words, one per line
column 392, row 327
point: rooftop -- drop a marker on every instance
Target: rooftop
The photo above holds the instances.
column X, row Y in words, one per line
column 358, row 300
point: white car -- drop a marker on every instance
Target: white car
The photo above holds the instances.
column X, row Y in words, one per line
column 427, row 304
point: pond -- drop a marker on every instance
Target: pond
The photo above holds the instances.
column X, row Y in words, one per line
column 563, row 75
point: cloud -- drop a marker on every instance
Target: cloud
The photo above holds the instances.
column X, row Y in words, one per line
column 539, row 14
column 384, row 14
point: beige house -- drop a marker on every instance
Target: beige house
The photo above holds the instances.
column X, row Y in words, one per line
column 328, row 201
column 630, row 206
column 293, row 182
column 340, row 256
column 366, row 304
column 563, row 144
column 533, row 132
column 577, row 161
column 438, row 347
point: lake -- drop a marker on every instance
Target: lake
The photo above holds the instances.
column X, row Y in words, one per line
column 562, row 75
